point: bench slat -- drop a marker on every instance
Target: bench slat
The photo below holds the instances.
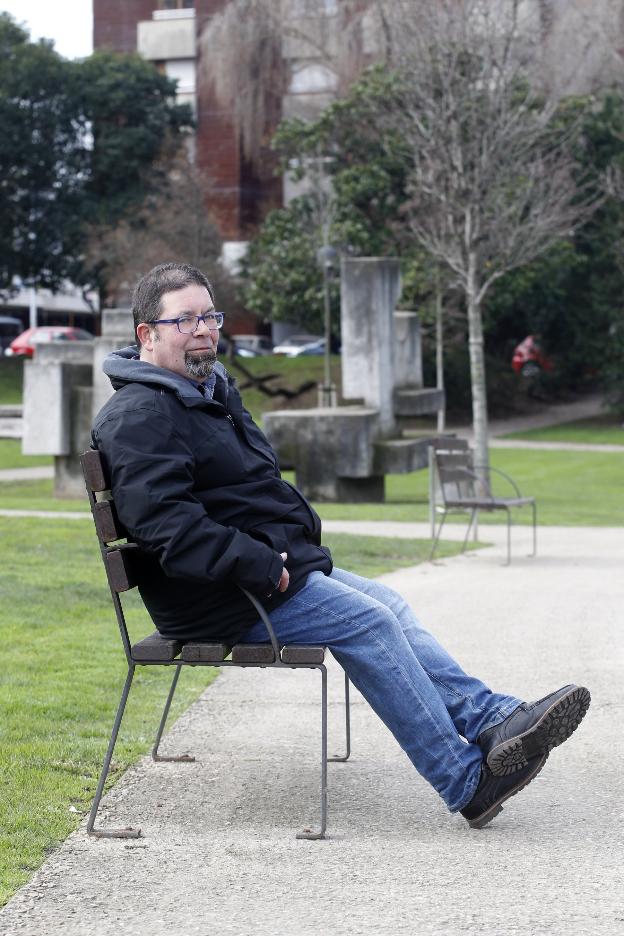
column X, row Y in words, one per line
column 253, row 653
column 107, row 522
column 120, row 570
column 197, row 652
column 299, row 654
column 156, row 648
column 94, row 471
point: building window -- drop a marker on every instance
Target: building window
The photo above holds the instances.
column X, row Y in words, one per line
column 176, row 4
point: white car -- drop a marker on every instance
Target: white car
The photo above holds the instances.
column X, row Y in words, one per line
column 298, row 345
column 252, row 345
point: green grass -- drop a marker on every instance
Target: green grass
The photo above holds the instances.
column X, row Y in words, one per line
column 290, row 373
column 375, row 555
column 36, row 495
column 11, row 371
column 11, row 456
column 64, row 669
column 571, row 489
column 597, row 430
column 59, row 687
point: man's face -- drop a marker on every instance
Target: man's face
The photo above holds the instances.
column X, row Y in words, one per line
column 188, row 355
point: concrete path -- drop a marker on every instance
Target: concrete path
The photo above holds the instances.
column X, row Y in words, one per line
column 219, row 854
column 36, row 473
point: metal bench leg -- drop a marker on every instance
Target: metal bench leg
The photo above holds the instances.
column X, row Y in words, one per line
column 473, row 514
column 437, row 537
column 183, row 758
column 508, row 536
column 112, row 833
column 308, row 833
column 346, row 756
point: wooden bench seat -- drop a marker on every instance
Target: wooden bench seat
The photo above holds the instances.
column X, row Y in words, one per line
column 158, row 649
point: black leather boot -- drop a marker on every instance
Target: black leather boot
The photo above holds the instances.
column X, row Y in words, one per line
column 533, row 729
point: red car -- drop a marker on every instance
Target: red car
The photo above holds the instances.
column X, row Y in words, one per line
column 26, row 343
column 529, row 360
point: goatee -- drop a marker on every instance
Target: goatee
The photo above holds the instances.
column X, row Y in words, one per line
column 200, row 365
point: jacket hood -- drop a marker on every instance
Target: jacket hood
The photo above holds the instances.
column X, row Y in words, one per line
column 124, row 366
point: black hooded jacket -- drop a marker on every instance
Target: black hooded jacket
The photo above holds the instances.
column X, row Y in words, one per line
column 197, row 486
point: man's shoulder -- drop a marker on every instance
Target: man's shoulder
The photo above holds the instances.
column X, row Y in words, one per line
column 135, row 398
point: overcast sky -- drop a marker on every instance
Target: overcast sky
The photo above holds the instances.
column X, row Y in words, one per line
column 68, row 23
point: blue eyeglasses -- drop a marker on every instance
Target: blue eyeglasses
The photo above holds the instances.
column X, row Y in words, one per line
column 188, row 324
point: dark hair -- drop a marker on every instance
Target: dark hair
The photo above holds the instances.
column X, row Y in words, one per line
column 167, row 277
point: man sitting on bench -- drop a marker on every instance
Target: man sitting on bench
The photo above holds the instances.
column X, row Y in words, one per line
column 197, row 486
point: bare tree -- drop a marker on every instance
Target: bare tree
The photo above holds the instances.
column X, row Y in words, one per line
column 171, row 224
column 247, row 51
column 492, row 180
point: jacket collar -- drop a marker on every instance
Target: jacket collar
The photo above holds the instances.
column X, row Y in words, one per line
column 125, row 366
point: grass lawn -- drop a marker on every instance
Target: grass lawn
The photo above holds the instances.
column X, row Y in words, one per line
column 572, row 489
column 11, row 456
column 11, row 370
column 607, row 429
column 58, row 697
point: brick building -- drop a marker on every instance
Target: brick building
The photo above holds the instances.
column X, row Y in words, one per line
column 167, row 34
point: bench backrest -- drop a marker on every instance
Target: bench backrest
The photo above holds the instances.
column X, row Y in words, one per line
column 454, row 468
column 115, row 545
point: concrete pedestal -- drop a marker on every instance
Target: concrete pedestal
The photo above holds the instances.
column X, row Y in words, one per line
column 331, row 450
column 117, row 332
column 369, row 291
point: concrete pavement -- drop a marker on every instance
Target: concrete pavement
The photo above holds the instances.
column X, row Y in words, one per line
column 219, row 854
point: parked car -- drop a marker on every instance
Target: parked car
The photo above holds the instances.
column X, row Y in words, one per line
column 298, row 345
column 529, row 360
column 26, row 343
column 10, row 328
column 252, row 345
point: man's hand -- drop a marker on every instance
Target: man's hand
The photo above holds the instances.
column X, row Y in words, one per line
column 285, row 577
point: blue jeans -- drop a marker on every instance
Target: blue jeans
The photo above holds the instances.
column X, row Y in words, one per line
column 434, row 710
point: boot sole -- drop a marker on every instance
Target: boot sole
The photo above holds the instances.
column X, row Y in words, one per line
column 554, row 727
column 497, row 808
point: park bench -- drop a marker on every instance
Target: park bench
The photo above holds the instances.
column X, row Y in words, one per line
column 118, row 552
column 460, row 486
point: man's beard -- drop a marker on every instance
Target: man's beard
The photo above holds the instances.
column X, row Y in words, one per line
column 200, row 365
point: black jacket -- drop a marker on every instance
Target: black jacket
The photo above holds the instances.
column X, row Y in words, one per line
column 196, row 484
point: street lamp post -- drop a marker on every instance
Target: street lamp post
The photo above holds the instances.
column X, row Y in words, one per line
column 326, row 257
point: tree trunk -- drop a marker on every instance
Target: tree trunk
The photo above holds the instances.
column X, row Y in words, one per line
column 477, row 375
column 440, row 355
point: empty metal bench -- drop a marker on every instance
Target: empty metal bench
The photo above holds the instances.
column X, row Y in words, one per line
column 460, row 486
column 154, row 650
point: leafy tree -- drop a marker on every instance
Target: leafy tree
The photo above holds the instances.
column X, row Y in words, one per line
column 367, row 173
column 42, row 160
column 280, row 276
column 493, row 181
column 129, row 108
column 573, row 295
column 171, row 223
column 82, row 144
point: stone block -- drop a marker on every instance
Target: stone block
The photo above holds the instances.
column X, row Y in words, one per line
column 401, row 456
column 407, row 350
column 117, row 332
column 369, row 290
column 118, row 323
column 48, row 384
column 331, row 449
column 417, row 402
